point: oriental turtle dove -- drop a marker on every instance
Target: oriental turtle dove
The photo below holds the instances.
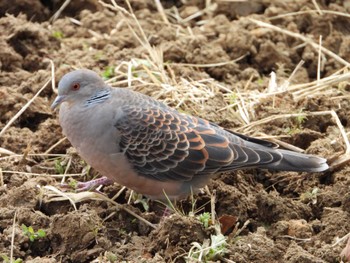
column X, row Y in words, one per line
column 153, row 149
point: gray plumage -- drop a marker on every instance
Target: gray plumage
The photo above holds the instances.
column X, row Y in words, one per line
column 147, row 146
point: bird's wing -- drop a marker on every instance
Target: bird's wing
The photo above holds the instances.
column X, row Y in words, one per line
column 166, row 145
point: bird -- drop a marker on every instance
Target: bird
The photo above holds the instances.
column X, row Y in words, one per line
column 153, row 149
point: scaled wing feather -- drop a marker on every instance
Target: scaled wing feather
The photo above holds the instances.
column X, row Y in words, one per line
column 166, row 145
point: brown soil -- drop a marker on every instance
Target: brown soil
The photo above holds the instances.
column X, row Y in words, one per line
column 287, row 223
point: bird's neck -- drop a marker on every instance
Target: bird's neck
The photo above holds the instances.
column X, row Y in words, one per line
column 98, row 97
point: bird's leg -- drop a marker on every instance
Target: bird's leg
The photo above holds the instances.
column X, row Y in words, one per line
column 167, row 212
column 89, row 185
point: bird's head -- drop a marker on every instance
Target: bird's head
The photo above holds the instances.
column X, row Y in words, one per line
column 77, row 85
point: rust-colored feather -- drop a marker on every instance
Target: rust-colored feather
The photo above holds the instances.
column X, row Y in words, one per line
column 166, row 145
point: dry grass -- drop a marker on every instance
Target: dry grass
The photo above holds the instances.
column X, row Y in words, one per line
column 20, row 112
column 59, row 11
column 13, row 236
column 54, row 195
column 331, row 12
column 1, row 178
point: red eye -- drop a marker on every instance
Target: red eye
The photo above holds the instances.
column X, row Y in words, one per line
column 75, row 86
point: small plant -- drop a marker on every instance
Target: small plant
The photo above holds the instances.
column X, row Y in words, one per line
column 300, row 120
column 111, row 257
column 297, row 124
column 260, row 81
column 72, row 183
column 205, row 219
column 108, row 257
column 209, row 250
column 7, row 260
column 310, row 196
column 59, row 167
column 108, row 72
column 292, row 130
column 233, row 98
column 29, row 231
column 172, row 205
column 58, row 34
column 139, row 199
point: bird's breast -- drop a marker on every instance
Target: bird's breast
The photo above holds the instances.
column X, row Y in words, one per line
column 90, row 130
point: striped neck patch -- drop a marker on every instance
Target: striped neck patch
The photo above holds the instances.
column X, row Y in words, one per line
column 98, row 97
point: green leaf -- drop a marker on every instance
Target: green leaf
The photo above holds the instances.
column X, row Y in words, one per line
column 41, row 233
column 24, row 228
column 233, row 98
column 217, row 246
column 5, row 258
column 108, row 73
column 73, row 184
column 260, row 81
column 31, row 230
column 59, row 167
column 205, row 219
column 57, row 34
column 111, row 257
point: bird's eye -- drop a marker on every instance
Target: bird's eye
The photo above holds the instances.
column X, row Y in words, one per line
column 75, row 86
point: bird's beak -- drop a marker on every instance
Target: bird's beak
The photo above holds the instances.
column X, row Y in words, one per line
column 59, row 99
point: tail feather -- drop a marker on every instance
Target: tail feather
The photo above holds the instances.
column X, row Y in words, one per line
column 299, row 162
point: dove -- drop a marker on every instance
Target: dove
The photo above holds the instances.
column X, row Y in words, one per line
column 141, row 143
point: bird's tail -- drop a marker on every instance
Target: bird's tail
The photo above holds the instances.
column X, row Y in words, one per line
column 293, row 161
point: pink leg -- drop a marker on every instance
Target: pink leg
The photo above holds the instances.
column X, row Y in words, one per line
column 167, row 212
column 89, row 185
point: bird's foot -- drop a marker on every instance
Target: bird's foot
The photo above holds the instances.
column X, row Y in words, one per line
column 167, row 212
column 87, row 186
